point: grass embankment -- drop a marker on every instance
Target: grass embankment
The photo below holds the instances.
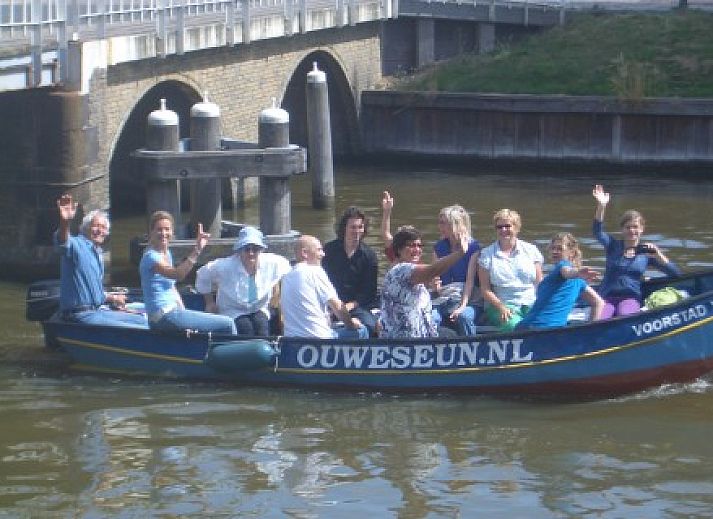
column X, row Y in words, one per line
column 625, row 55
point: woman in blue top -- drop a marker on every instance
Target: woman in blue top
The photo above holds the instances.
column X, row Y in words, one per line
column 164, row 306
column 627, row 259
column 558, row 292
column 455, row 305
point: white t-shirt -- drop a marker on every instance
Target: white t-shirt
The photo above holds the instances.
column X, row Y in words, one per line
column 512, row 278
column 303, row 300
column 228, row 277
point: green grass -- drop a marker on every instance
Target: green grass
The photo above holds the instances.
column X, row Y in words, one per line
column 625, row 55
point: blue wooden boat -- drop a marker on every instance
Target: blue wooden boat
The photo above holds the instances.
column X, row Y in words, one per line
column 669, row 344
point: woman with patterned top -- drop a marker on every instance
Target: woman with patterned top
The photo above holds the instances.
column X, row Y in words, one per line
column 405, row 300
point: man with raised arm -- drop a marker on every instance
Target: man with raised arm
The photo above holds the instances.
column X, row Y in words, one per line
column 82, row 297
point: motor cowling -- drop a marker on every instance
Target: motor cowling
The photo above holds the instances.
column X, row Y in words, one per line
column 42, row 300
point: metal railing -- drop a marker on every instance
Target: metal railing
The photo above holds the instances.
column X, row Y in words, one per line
column 35, row 34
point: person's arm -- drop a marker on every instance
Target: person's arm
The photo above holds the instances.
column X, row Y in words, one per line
column 425, row 273
column 468, row 287
column 538, row 273
column 340, row 311
column 595, row 302
column 586, row 273
column 660, row 261
column 180, row 271
column 67, row 209
column 387, row 204
column 489, row 295
column 602, row 199
column 206, row 283
column 367, row 282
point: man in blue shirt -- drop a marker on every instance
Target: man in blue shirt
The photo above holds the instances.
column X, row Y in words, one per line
column 82, row 297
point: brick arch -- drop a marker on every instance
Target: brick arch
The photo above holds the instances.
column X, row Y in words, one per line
column 124, row 175
column 342, row 105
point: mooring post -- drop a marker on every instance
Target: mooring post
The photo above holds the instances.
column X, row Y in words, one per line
column 275, row 200
column 206, row 201
column 162, row 135
column 319, row 137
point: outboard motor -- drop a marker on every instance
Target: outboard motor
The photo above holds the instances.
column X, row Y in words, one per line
column 42, row 300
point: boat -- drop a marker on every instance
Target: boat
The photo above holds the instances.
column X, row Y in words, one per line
column 669, row 344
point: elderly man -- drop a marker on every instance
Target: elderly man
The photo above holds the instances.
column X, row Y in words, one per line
column 352, row 267
column 307, row 296
column 240, row 286
column 82, row 297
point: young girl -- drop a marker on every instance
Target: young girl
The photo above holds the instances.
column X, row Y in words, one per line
column 627, row 259
column 558, row 292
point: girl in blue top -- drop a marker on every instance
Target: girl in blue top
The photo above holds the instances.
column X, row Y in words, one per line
column 164, row 306
column 627, row 259
column 558, row 292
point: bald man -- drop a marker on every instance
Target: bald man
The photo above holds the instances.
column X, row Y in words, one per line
column 307, row 296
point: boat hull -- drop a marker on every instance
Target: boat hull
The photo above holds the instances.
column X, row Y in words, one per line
column 666, row 345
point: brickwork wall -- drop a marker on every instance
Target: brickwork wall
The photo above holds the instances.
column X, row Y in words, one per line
column 49, row 143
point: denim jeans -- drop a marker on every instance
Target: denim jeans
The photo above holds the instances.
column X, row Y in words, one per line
column 347, row 333
column 179, row 320
column 464, row 323
column 254, row 325
column 111, row 318
column 366, row 317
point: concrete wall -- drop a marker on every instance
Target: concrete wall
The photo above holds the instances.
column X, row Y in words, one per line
column 523, row 127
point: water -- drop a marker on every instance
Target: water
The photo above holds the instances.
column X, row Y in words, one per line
column 75, row 445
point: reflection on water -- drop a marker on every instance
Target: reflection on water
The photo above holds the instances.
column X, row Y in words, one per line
column 82, row 446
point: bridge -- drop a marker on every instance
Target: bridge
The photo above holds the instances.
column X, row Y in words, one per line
column 78, row 79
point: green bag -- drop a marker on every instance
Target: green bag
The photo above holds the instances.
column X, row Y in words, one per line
column 664, row 296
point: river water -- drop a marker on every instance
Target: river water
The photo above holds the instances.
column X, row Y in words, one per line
column 78, row 445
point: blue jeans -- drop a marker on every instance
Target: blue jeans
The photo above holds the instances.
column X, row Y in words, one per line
column 254, row 325
column 107, row 317
column 464, row 323
column 347, row 333
column 179, row 320
column 366, row 317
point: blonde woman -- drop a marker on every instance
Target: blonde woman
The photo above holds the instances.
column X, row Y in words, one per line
column 453, row 306
column 509, row 271
column 559, row 290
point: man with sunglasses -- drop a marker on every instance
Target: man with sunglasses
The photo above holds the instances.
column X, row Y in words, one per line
column 241, row 286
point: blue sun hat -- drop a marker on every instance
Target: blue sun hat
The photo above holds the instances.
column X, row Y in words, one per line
column 249, row 236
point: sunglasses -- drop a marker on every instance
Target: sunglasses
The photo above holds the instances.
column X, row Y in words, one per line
column 252, row 248
column 504, row 226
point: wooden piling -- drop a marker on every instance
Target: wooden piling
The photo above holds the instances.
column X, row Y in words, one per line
column 162, row 135
column 275, row 199
column 319, row 136
column 205, row 195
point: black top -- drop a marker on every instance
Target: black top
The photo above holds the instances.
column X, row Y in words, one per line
column 355, row 277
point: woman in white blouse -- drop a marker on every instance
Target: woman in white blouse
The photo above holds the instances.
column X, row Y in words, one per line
column 509, row 271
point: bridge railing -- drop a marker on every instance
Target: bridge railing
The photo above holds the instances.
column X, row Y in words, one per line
column 35, row 34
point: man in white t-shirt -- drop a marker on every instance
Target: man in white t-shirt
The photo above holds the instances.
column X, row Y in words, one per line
column 307, row 296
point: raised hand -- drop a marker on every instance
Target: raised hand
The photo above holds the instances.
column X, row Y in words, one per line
column 600, row 195
column 67, row 207
column 201, row 238
column 387, row 202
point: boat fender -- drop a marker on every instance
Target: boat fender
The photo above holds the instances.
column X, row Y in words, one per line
column 241, row 355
